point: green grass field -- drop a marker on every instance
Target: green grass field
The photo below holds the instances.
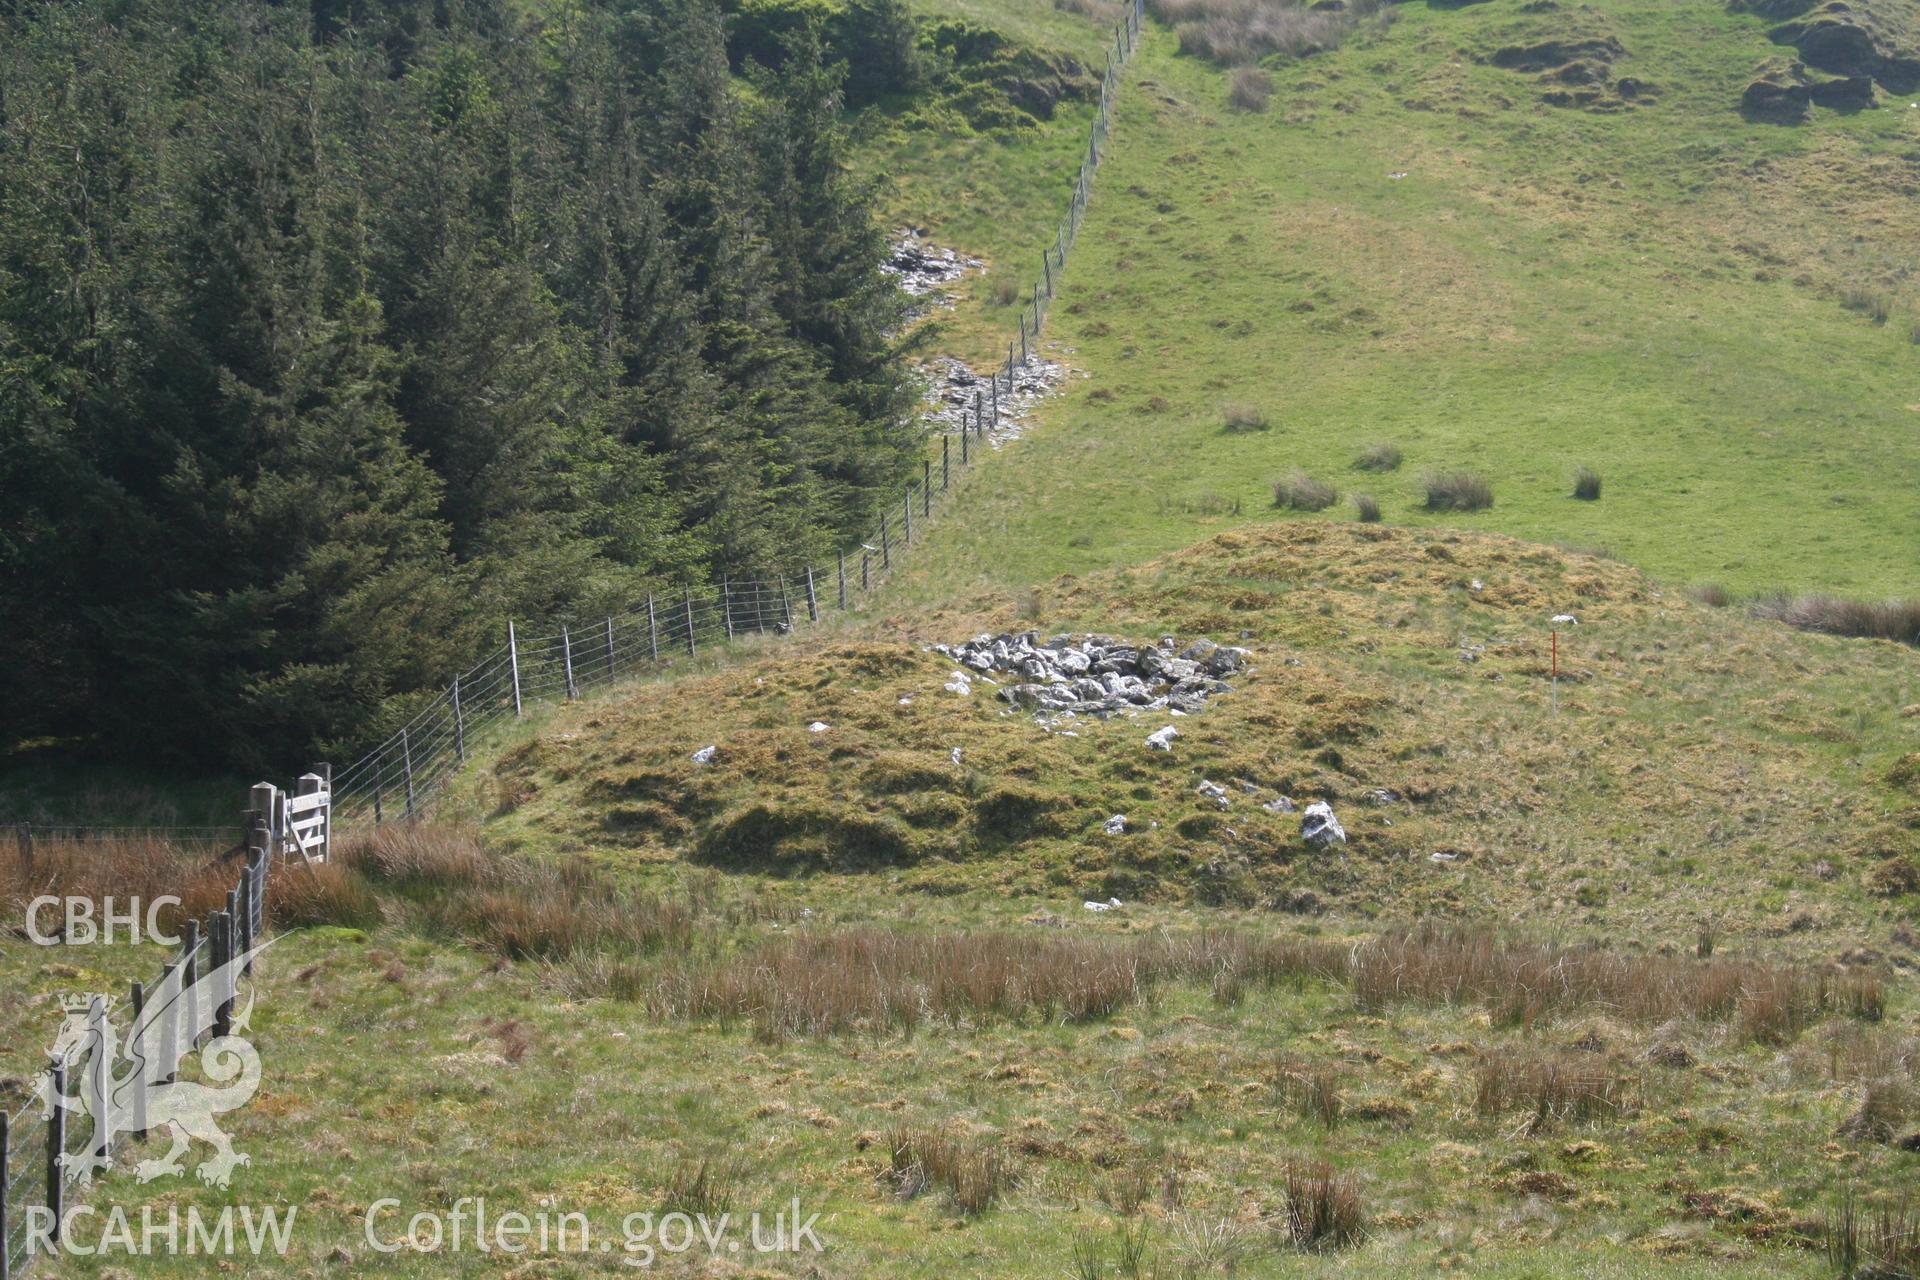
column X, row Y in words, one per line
column 1655, row 293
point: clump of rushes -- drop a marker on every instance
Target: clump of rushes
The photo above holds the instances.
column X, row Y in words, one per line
column 1302, row 492
column 1250, row 89
column 1586, row 484
column 1366, row 508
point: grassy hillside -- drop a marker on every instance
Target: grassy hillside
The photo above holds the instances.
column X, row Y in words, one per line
column 1412, row 246
column 842, row 966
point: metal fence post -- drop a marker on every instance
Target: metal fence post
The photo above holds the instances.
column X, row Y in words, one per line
column 513, row 660
column 566, row 662
column 813, row 602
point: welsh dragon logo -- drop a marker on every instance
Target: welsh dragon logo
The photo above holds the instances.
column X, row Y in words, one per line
column 142, row 1087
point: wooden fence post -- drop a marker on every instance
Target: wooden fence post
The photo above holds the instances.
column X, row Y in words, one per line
column 964, row 459
column 137, row 1113
column 906, row 511
column 1046, row 267
column 57, row 1146
column 513, row 660
column 26, row 845
column 786, row 604
column 946, row 461
column 263, row 805
column 566, row 662
column 6, row 1181
column 843, row 579
column 886, row 552
column 321, row 779
column 726, row 605
column 690, row 649
column 653, row 633
column 813, row 603
column 406, row 764
column 219, row 927
column 459, row 724
column 190, row 994
column 100, row 1083
column 610, row 671
column 926, row 488
column 866, row 555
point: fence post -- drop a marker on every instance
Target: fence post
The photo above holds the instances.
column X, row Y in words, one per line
column 610, row 670
column 866, row 555
column 1046, row 266
column 137, row 1125
column 189, row 1005
column 220, row 925
column 843, row 579
column 406, row 763
column 459, row 724
column 26, row 845
column 886, row 552
column 690, row 649
column 321, row 780
column 926, row 488
column 1023, row 338
column 513, row 660
column 964, row 459
column 263, row 803
column 786, row 604
column 946, row 462
column 243, row 917
column 726, row 605
column 906, row 511
column 566, row 662
column 100, row 1086
column 653, row 633
column 56, row 1144
column 813, row 615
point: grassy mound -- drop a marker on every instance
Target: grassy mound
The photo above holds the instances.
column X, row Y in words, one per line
column 1703, row 769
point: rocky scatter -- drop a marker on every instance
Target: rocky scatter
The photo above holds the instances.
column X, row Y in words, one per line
column 925, row 270
column 952, row 388
column 1851, row 45
column 1100, row 676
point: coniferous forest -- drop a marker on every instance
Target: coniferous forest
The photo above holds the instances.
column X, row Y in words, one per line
column 333, row 336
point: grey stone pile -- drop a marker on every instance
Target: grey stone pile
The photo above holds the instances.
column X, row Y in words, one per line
column 922, row 268
column 1098, row 675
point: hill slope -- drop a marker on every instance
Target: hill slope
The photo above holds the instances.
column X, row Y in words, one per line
column 1413, row 245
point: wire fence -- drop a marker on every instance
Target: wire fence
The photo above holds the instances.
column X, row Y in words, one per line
column 53, row 1145
column 401, row 776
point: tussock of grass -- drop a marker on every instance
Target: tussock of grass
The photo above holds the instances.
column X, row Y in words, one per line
column 1303, row 492
column 1586, row 484
column 974, row 1173
column 1366, row 508
column 1236, row 32
column 1456, row 491
column 1379, row 457
column 1324, row 1209
column 1249, row 88
column 1240, row 419
column 1551, row 1085
column 1892, row 620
